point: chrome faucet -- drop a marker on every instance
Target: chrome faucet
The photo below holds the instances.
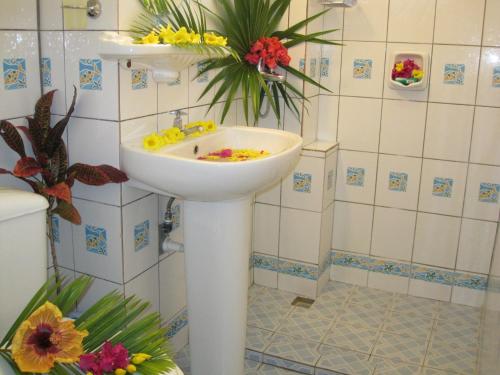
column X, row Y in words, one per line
column 178, row 123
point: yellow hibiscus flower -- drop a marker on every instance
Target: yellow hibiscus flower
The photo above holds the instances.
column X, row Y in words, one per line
column 46, row 338
column 214, row 40
column 153, row 142
column 166, row 34
column 151, row 38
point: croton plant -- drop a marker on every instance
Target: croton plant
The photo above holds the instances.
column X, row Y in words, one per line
column 47, row 172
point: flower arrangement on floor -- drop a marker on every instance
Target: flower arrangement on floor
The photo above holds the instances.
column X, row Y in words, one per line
column 48, row 172
column 258, row 50
column 407, row 72
column 155, row 141
column 107, row 339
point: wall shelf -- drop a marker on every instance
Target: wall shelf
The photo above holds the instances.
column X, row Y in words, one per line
column 164, row 60
column 421, row 59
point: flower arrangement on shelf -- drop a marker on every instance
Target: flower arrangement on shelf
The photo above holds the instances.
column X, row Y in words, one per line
column 155, row 141
column 47, row 172
column 107, row 339
column 166, row 35
column 407, row 72
column 258, row 57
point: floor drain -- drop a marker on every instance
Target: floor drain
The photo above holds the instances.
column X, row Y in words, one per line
column 303, row 302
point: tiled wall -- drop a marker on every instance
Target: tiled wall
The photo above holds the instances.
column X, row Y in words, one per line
column 418, row 183
column 117, row 242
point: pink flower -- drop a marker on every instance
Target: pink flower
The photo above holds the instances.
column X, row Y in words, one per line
column 252, row 58
column 226, row 153
column 108, row 359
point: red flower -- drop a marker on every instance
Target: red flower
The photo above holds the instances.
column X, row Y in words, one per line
column 271, row 51
column 252, row 58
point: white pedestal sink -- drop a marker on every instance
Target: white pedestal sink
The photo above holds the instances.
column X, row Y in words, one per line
column 217, row 228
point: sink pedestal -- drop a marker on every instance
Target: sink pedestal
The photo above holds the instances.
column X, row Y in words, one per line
column 217, row 240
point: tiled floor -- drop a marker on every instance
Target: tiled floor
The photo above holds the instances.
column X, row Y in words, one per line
column 354, row 330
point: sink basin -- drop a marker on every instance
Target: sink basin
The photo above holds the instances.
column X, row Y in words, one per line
column 217, row 228
column 175, row 170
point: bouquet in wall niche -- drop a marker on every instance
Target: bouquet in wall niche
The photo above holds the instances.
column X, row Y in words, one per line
column 46, row 169
column 115, row 336
column 258, row 63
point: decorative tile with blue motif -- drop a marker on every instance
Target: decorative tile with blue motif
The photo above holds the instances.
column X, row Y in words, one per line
column 477, row 282
column 14, row 74
column 442, row 187
column 496, row 76
column 302, row 65
column 139, row 79
column 90, row 74
column 298, row 269
column 355, row 176
column 324, row 67
column 96, row 240
column 46, row 72
column 362, row 68
column 398, row 181
column 202, row 78
column 265, row 262
column 390, row 268
column 56, row 232
column 176, row 217
column 312, row 67
column 176, row 324
column 302, row 182
column 432, row 275
column 351, row 260
column 141, row 235
column 454, row 74
column 488, row 192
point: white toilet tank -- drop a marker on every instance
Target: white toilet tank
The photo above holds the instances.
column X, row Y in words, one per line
column 23, row 251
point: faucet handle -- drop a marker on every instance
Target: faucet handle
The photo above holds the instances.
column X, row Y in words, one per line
column 178, row 113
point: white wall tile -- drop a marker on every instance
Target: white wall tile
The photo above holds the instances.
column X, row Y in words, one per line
column 19, row 99
column 266, row 229
column 300, row 235
column 331, row 57
column 467, row 296
column 108, row 266
column 128, row 11
column 172, row 286
column 363, row 164
column 198, row 85
column 52, row 45
column 402, row 137
column 359, row 123
column 138, row 93
column 477, row 239
column 297, row 285
column 265, row 278
column 436, row 240
column 352, row 227
column 463, row 91
column 326, row 235
column 393, row 232
column 327, row 117
column 146, row 287
column 389, row 283
column 108, row 20
column 349, row 275
column 332, row 20
column 271, row 195
column 97, row 290
column 51, row 15
column 366, row 21
column 434, row 196
column 482, row 200
column 303, row 188
column 491, row 32
column 174, row 96
column 411, row 21
column 330, row 179
column 96, row 103
column 95, row 142
column 392, row 50
column 420, row 288
column 140, row 236
column 448, row 132
column 19, row 14
column 398, row 181
column 484, row 148
column 363, row 54
column 64, row 245
column 488, row 92
column 310, row 120
column 459, row 21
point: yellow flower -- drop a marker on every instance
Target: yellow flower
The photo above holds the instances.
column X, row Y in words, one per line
column 166, row 34
column 209, row 126
column 138, row 358
column 195, row 134
column 399, row 67
column 44, row 339
column 181, row 36
column 153, row 142
column 214, row 40
column 418, row 74
column 151, row 38
column 131, row 369
column 120, row 371
column 195, row 37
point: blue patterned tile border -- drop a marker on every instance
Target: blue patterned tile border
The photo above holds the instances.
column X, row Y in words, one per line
column 493, row 284
column 488, row 192
column 324, row 67
column 96, row 240
column 177, row 323
column 496, row 76
column 433, row 275
column 46, row 72
column 14, row 74
column 141, row 235
column 305, row 271
column 139, row 79
column 454, row 74
column 265, row 262
column 390, row 268
column 478, row 282
column 56, row 231
column 362, row 68
column 351, row 260
column 288, row 364
column 90, row 74
column 302, row 182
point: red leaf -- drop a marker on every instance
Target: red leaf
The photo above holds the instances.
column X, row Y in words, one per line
column 60, row 191
column 54, row 138
column 88, row 174
column 5, row 171
column 68, row 212
column 11, row 136
column 26, row 167
column 114, row 174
